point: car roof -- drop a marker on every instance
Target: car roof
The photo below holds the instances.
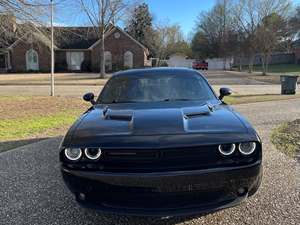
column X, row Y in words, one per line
column 156, row 71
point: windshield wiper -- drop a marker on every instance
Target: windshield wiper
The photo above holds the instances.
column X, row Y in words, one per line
column 176, row 99
column 115, row 101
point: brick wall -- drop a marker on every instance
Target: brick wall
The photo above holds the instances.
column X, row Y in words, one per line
column 117, row 47
column 18, row 56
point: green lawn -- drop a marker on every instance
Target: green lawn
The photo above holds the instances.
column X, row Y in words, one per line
column 26, row 118
column 27, row 127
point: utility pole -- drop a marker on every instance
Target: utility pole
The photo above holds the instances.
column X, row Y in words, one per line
column 52, row 52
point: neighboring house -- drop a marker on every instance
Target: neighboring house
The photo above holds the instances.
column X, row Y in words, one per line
column 76, row 49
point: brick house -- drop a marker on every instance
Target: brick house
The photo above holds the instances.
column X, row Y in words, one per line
column 76, row 49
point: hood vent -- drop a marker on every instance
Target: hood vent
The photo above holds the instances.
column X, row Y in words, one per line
column 190, row 113
column 117, row 115
column 195, row 114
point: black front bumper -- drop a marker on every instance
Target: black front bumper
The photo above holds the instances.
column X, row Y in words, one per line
column 164, row 193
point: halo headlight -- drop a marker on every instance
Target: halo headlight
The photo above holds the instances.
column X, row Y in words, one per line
column 92, row 153
column 73, row 154
column 226, row 149
column 247, row 148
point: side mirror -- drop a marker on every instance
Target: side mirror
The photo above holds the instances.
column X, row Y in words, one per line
column 224, row 92
column 89, row 97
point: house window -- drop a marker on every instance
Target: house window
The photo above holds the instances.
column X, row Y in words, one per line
column 117, row 35
column 74, row 60
column 128, row 59
column 32, row 60
column 108, row 60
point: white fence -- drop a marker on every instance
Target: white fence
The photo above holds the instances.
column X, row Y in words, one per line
column 213, row 64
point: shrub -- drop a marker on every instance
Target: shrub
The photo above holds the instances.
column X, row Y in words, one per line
column 61, row 66
column 286, row 138
column 163, row 64
column 117, row 67
column 86, row 66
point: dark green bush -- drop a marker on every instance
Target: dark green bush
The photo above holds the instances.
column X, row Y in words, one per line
column 61, row 66
column 86, row 66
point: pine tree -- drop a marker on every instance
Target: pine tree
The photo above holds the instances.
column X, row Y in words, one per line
column 140, row 27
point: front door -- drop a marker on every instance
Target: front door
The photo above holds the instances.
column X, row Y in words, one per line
column 74, row 60
column 32, row 60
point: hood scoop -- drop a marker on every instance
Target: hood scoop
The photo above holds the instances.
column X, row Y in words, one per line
column 121, row 115
column 193, row 112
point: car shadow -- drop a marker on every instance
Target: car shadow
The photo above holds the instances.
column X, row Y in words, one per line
column 93, row 216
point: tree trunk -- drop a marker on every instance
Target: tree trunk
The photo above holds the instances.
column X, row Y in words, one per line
column 264, row 63
column 224, row 63
column 250, row 63
column 267, row 62
column 240, row 63
column 250, row 66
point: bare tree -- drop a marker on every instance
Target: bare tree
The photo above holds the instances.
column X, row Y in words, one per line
column 249, row 16
column 216, row 28
column 268, row 35
column 101, row 14
column 168, row 40
column 19, row 17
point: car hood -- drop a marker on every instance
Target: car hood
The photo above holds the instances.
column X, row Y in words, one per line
column 126, row 119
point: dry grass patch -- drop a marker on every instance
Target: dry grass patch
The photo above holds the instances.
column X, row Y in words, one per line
column 286, row 138
column 21, row 107
column 60, row 79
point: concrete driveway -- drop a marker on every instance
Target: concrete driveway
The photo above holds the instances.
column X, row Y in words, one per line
column 32, row 191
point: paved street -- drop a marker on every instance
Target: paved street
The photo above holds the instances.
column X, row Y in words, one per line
column 78, row 84
column 32, row 191
column 78, row 91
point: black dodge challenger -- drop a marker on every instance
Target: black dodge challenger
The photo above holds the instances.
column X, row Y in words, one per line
column 159, row 142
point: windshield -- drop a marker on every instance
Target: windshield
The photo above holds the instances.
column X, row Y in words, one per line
column 155, row 88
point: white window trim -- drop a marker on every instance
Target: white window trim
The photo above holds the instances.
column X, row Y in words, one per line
column 27, row 59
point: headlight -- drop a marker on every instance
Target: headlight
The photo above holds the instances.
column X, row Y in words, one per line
column 226, row 149
column 92, row 153
column 247, row 148
column 73, row 154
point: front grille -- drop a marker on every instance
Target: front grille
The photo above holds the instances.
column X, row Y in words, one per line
column 142, row 160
